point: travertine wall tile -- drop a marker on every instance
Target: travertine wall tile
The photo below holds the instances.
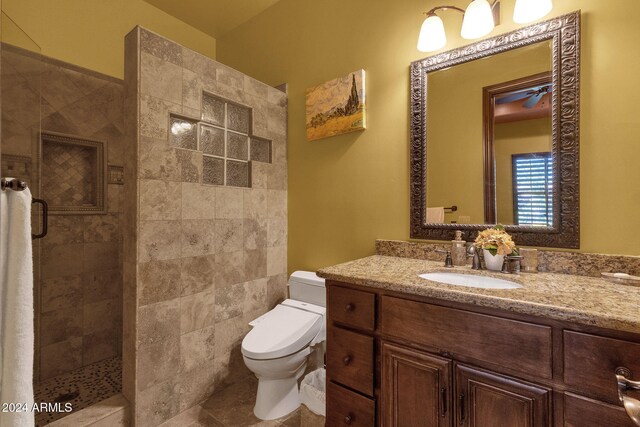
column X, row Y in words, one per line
column 158, row 160
column 198, row 201
column 160, row 79
column 159, row 322
column 196, row 347
column 203, row 256
column 61, row 292
column 199, row 237
column 255, row 233
column 230, row 202
column 197, row 311
column 158, row 362
column 197, row 274
column 276, row 260
column 158, row 281
column 160, row 199
column 159, row 240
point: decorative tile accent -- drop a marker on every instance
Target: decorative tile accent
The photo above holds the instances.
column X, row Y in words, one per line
column 213, row 170
column 72, row 174
column 238, row 173
column 17, row 167
column 213, row 109
column 211, row 140
column 115, row 175
column 183, row 133
column 86, row 386
column 238, row 118
column 237, row 146
column 260, row 150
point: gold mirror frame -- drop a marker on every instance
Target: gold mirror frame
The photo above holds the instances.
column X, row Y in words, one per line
column 564, row 34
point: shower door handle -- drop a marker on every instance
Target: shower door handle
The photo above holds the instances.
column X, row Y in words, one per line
column 45, row 218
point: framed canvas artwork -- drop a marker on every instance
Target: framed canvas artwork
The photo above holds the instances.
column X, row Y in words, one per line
column 336, row 107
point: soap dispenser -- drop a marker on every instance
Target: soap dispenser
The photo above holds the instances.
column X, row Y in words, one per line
column 459, row 250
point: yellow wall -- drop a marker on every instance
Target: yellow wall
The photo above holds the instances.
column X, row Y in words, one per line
column 346, row 191
column 455, row 165
column 90, row 33
column 523, row 136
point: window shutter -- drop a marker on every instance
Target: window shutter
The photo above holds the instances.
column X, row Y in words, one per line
column 533, row 189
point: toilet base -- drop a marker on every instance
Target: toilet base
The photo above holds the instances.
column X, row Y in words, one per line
column 276, row 398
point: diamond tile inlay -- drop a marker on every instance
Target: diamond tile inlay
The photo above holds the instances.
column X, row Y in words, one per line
column 72, row 174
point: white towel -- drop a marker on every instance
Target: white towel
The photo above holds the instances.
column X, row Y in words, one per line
column 435, row 215
column 16, row 307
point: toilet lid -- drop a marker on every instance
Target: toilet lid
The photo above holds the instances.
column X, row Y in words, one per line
column 281, row 332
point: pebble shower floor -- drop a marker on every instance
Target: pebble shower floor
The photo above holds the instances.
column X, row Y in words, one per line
column 82, row 388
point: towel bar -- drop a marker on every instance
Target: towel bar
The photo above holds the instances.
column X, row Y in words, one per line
column 18, row 185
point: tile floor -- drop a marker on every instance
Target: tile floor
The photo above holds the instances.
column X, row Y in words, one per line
column 92, row 384
column 231, row 407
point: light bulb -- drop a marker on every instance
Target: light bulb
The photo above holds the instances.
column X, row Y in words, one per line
column 432, row 36
column 478, row 20
column 529, row 10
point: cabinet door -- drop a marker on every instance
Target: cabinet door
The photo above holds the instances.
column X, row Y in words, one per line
column 415, row 388
column 484, row 399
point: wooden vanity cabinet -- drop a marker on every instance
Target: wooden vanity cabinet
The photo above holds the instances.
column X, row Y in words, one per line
column 397, row 360
column 417, row 388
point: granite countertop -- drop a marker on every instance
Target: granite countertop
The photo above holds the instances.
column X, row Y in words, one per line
column 584, row 300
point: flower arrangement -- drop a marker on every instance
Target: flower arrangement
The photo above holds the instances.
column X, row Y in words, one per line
column 497, row 241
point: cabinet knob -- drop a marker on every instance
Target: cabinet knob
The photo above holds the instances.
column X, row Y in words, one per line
column 349, row 307
column 346, row 360
column 348, row 419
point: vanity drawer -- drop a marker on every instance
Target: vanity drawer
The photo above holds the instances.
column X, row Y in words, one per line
column 590, row 362
column 520, row 346
column 350, row 359
column 584, row 412
column 351, row 307
column 345, row 407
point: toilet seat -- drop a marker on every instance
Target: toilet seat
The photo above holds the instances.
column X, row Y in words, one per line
column 283, row 331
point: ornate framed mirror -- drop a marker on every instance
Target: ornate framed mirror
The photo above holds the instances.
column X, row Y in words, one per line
column 495, row 137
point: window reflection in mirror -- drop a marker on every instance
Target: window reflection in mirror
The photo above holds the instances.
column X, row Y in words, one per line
column 489, row 139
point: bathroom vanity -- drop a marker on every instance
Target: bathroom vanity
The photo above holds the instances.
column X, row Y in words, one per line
column 405, row 351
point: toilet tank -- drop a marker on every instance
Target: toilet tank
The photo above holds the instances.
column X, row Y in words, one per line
column 306, row 286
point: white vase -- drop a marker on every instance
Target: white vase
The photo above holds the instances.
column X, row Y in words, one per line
column 493, row 262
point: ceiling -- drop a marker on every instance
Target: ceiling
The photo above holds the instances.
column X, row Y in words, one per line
column 213, row 17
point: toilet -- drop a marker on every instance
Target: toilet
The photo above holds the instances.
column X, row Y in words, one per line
column 277, row 348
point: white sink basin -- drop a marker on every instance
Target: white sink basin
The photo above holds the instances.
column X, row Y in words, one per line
column 470, row 280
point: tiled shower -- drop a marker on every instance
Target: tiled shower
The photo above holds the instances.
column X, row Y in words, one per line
column 167, row 224
column 62, row 132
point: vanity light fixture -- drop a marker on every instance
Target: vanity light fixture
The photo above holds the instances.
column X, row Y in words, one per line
column 479, row 20
column 529, row 10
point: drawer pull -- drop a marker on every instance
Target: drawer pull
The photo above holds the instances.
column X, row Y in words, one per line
column 461, row 409
column 348, row 419
column 347, row 360
column 349, row 307
column 631, row 405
